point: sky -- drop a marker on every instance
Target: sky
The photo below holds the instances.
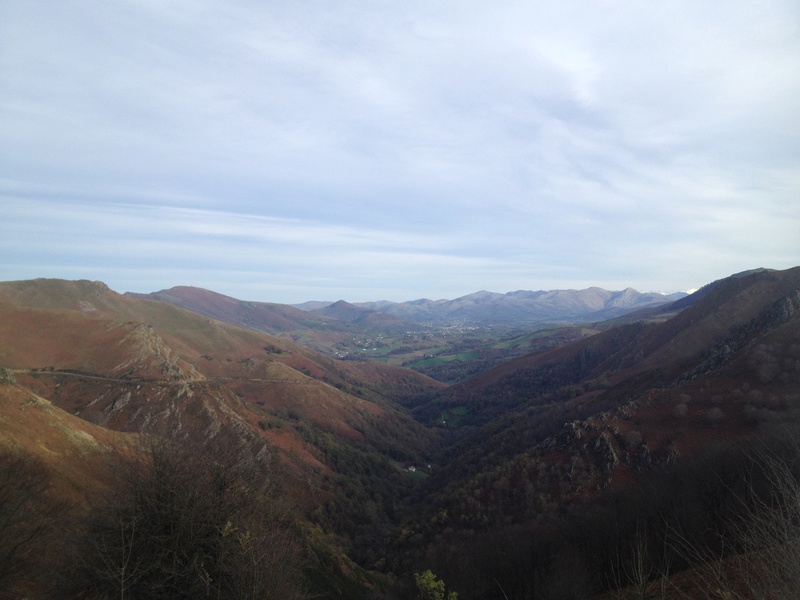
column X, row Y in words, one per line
column 285, row 151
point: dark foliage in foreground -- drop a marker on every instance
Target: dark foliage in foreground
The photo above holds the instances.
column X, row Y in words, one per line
column 729, row 522
column 186, row 522
column 30, row 522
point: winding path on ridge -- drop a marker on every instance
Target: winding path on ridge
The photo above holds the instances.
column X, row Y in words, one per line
column 130, row 381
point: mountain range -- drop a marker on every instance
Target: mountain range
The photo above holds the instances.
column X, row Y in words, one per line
column 514, row 308
column 482, row 309
column 534, row 476
column 432, row 337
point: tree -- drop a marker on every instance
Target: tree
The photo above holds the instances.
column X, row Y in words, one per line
column 430, row 587
column 185, row 521
column 28, row 520
column 760, row 551
column 770, row 534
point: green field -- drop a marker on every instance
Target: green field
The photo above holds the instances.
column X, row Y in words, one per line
column 446, row 358
column 454, row 417
column 419, row 475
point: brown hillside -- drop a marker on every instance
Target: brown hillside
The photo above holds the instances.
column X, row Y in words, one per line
column 631, row 349
column 261, row 316
column 140, row 365
column 70, row 446
column 560, row 462
column 328, row 331
column 602, row 410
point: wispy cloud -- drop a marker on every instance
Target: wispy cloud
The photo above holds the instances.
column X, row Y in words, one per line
column 429, row 149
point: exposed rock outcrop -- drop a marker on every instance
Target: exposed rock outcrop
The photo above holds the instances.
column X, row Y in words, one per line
column 606, row 455
column 770, row 317
column 7, row 376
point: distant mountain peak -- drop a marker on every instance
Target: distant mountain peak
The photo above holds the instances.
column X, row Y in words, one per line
column 521, row 307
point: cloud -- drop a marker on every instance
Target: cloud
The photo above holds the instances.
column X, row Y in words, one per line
column 458, row 146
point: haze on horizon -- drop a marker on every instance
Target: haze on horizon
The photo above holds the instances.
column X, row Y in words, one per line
column 287, row 152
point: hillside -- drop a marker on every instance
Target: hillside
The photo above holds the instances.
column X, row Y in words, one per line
column 640, row 406
column 545, row 476
column 350, row 313
column 135, row 365
column 263, row 316
column 445, row 339
column 68, row 445
column 338, row 329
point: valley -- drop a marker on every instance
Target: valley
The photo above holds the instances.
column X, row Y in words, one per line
column 445, row 339
column 514, row 459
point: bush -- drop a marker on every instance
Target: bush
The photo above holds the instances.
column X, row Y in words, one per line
column 715, row 416
column 29, row 521
column 430, row 587
column 764, row 537
column 187, row 522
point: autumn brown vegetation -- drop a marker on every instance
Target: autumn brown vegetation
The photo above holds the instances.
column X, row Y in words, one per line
column 645, row 461
column 758, row 555
column 31, row 522
column 183, row 521
column 725, row 526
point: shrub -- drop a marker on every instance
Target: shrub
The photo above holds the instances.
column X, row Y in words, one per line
column 430, row 587
column 29, row 521
column 715, row 416
column 187, row 522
